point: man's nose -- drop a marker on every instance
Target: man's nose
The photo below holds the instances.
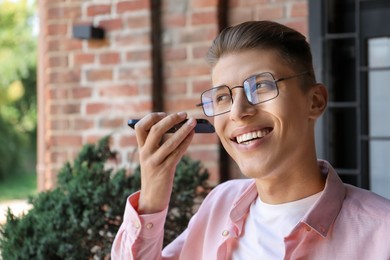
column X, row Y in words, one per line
column 241, row 106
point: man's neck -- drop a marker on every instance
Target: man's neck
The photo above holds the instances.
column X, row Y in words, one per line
column 291, row 185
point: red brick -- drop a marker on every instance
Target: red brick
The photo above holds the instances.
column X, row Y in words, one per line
column 58, row 94
column 138, row 22
column 180, row 104
column 188, row 69
column 135, row 73
column 175, row 87
column 201, row 85
column 239, row 15
column 141, row 107
column 65, row 109
column 96, row 108
column 270, row 12
column 233, row 3
column 204, row 139
column 83, row 58
column 81, row 124
column 133, row 5
column 199, row 52
column 63, row 44
column 299, row 10
column 251, row 3
column 57, row 61
column 203, row 3
column 80, row 92
column 59, row 124
column 198, row 35
column 141, row 39
column 175, row 53
column 99, row 75
column 132, row 106
column 111, row 123
column 127, row 141
column 57, row 29
column 174, row 20
column 138, row 55
column 61, row 77
column 204, row 155
column 109, row 58
column 111, row 24
column 65, row 140
column 98, row 9
column 119, row 91
column 94, row 138
column 204, row 17
column 59, row 157
column 63, row 12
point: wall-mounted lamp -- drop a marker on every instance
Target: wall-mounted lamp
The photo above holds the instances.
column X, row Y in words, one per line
column 88, row 32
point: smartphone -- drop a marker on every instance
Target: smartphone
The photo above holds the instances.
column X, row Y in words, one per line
column 202, row 126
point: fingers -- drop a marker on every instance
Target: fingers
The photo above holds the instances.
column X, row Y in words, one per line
column 159, row 159
column 158, row 130
column 151, row 129
column 142, row 128
column 175, row 143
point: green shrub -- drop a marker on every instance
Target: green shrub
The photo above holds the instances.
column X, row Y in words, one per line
column 80, row 217
column 10, row 143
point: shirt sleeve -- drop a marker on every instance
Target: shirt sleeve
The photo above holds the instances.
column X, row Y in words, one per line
column 139, row 236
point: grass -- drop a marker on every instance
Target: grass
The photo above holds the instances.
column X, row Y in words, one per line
column 19, row 186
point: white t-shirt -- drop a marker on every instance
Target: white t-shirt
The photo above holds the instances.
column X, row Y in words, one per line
column 266, row 227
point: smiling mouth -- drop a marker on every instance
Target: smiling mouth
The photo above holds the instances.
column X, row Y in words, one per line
column 248, row 137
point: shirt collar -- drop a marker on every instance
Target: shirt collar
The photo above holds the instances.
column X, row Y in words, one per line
column 325, row 210
column 320, row 217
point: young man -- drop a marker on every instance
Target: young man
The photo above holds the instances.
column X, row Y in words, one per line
column 265, row 102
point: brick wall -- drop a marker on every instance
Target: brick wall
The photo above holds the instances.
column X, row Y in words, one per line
column 88, row 89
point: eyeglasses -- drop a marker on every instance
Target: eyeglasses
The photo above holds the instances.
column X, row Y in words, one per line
column 258, row 89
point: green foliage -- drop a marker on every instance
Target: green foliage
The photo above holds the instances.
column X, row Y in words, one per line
column 17, row 40
column 10, row 142
column 79, row 218
column 17, row 87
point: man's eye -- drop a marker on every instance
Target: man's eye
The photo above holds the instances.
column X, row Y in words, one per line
column 222, row 98
column 264, row 86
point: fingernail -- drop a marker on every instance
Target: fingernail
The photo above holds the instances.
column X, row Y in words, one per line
column 182, row 114
column 191, row 121
column 162, row 114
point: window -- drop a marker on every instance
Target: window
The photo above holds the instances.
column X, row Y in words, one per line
column 351, row 47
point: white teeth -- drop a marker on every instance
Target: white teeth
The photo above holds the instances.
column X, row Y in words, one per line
column 252, row 135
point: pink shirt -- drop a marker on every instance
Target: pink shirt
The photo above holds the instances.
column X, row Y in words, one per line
column 345, row 223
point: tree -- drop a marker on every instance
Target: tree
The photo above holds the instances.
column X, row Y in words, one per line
column 17, row 84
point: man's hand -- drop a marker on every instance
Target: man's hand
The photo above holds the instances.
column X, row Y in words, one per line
column 159, row 159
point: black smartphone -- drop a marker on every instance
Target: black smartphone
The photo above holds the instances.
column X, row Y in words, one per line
column 202, row 126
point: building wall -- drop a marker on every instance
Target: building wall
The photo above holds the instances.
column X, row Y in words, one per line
column 89, row 88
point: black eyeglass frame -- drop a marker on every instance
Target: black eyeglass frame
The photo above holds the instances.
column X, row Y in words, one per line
column 242, row 86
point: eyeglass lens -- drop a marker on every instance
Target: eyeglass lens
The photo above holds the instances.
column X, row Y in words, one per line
column 259, row 88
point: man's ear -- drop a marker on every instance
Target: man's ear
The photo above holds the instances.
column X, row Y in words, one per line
column 319, row 100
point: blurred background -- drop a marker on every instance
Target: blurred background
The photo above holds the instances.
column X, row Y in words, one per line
column 100, row 63
column 18, row 99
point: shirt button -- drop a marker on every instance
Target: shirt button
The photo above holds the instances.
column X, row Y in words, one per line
column 149, row 225
column 322, row 229
column 308, row 229
column 136, row 225
column 225, row 233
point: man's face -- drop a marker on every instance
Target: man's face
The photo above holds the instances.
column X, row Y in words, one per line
column 282, row 127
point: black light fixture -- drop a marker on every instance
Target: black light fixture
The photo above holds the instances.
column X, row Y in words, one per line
column 88, row 32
